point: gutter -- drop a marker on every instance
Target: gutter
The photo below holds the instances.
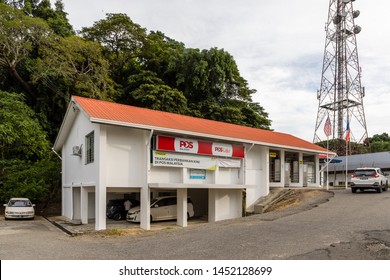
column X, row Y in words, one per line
column 54, row 151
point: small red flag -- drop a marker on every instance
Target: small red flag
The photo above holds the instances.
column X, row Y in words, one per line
column 328, row 127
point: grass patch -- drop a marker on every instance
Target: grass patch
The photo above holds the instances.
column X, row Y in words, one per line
column 113, row 232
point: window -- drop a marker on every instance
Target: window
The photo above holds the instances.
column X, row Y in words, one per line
column 90, row 147
column 275, row 166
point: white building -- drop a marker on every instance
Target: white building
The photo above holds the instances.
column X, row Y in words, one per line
column 341, row 168
column 111, row 150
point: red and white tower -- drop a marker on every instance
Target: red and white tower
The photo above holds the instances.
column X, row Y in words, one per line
column 341, row 94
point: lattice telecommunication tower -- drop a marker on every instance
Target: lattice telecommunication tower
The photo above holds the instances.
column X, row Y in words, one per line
column 341, row 94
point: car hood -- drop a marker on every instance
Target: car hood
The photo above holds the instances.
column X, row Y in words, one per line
column 134, row 209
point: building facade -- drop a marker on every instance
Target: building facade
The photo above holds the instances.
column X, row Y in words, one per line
column 113, row 151
column 341, row 169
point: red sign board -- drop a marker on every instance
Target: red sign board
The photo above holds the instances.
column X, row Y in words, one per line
column 184, row 145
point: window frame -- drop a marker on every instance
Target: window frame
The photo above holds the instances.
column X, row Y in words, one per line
column 90, row 147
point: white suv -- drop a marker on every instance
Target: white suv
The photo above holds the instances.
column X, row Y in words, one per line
column 161, row 208
column 368, row 178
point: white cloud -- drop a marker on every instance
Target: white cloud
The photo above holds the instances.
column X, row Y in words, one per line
column 278, row 46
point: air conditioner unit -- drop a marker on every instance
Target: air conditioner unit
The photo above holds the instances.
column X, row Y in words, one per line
column 76, row 150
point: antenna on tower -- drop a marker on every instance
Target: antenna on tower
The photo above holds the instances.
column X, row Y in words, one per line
column 341, row 94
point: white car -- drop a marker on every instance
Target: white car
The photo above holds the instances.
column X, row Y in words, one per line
column 161, row 208
column 19, row 208
column 369, row 178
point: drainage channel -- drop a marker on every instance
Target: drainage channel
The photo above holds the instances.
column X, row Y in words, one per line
column 72, row 234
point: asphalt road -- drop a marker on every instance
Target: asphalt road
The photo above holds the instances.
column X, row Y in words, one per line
column 347, row 227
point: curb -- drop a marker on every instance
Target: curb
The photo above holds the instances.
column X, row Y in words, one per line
column 70, row 233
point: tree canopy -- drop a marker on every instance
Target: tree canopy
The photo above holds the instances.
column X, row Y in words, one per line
column 380, row 142
column 43, row 62
column 25, row 156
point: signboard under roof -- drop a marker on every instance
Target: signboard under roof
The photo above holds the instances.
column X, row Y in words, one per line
column 191, row 146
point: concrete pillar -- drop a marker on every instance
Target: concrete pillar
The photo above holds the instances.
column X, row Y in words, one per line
column 283, row 182
column 101, row 186
column 212, row 205
column 84, row 205
column 182, row 207
column 264, row 165
column 184, row 175
column 100, row 208
column 317, row 170
column 145, row 208
column 300, row 169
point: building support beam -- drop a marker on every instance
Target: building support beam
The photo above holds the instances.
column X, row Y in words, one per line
column 182, row 207
column 84, row 205
column 145, row 208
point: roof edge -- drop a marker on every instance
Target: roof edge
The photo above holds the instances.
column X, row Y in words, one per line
column 169, row 130
column 70, row 116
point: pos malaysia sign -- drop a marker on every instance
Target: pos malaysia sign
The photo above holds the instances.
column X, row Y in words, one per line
column 184, row 145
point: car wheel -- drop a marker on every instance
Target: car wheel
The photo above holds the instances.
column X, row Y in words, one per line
column 379, row 190
column 117, row 216
column 353, row 190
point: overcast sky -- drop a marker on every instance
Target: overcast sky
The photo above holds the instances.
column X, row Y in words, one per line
column 278, row 46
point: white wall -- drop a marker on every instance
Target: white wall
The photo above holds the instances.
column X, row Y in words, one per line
column 177, row 175
column 160, row 174
column 224, row 204
column 257, row 175
column 231, row 176
column 126, row 157
column 75, row 171
column 339, row 179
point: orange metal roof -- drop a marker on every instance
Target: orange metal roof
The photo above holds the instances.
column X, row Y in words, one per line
column 105, row 111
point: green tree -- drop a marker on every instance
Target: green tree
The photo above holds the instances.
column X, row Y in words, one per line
column 160, row 97
column 56, row 18
column 203, row 83
column 21, row 135
column 40, row 181
column 68, row 66
column 214, row 88
column 380, row 143
column 384, row 137
column 27, row 167
column 73, row 65
column 145, row 89
column 122, row 40
column 160, row 55
column 20, row 35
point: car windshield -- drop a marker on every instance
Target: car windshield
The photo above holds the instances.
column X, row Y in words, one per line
column 365, row 172
column 153, row 201
column 19, row 203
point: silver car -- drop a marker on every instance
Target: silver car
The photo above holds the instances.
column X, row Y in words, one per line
column 161, row 208
column 19, row 208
